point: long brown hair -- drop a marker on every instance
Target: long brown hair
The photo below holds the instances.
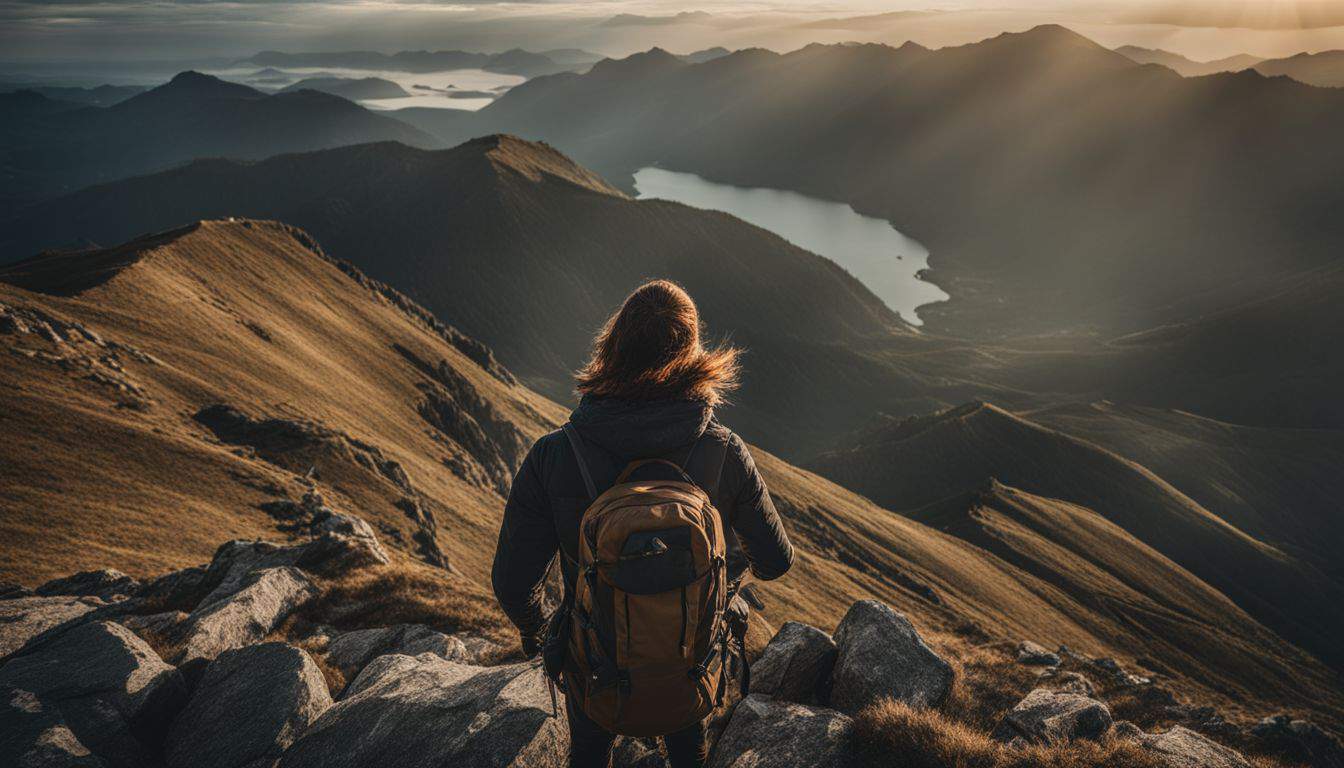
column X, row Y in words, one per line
column 650, row 350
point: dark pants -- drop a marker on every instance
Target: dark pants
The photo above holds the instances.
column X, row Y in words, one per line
column 590, row 745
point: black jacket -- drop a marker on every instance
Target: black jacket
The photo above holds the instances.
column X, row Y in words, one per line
column 549, row 496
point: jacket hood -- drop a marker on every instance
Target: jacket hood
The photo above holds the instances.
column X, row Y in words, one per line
column 634, row 429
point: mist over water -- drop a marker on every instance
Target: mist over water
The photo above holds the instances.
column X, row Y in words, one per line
column 462, row 80
column 872, row 250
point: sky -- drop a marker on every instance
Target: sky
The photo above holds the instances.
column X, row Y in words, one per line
column 34, row 32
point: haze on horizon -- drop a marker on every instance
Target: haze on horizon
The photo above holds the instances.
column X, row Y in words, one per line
column 35, row 33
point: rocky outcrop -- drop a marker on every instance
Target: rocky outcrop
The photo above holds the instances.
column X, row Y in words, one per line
column 1183, row 748
column 350, row 651
column 1066, row 681
column 24, row 618
column 882, row 655
column 250, row 705
column 767, row 733
column 242, row 618
column 114, row 695
column 1034, row 654
column 1300, row 740
column 105, row 583
column 429, row 711
column 1050, row 717
column 796, row 665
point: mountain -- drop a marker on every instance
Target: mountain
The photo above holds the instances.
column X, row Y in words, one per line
column 1325, row 68
column 350, row 88
column 1197, row 189
column 98, row 96
column 1188, row 67
column 506, row 236
column 191, row 386
column 952, row 453
column 191, row 116
column 513, row 62
column 637, row 20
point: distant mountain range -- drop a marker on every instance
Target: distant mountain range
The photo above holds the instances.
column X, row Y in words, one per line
column 1061, row 187
column 47, row 151
column 512, row 62
column 1325, row 69
column 100, row 96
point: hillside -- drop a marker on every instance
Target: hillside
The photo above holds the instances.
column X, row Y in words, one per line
column 1324, row 68
column 173, row 392
column 1194, row 186
column 506, row 237
column 191, row 116
column 955, row 452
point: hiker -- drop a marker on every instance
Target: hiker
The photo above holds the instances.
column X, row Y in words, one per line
column 676, row 516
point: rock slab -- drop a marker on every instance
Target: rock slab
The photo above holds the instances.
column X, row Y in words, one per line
column 242, row 618
column 426, row 711
column 796, row 665
column 1051, row 717
column 251, row 703
column 114, row 694
column 768, row 733
column 1183, row 748
column 882, row 655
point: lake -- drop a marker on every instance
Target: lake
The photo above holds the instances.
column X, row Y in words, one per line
column 870, row 249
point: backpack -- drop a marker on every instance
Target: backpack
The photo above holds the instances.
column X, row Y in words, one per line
column 642, row 645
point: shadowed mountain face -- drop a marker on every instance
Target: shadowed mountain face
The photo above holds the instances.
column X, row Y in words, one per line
column 1060, row 186
column 529, row 252
column 175, row 391
column 941, row 456
column 1188, row 67
column 1325, row 69
column 194, row 115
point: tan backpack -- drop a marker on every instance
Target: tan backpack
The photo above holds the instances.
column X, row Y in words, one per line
column 646, row 646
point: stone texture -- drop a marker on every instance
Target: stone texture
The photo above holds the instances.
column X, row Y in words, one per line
column 1183, row 748
column 36, row 736
column 350, row 651
column 882, row 655
column 250, row 704
column 1035, row 654
column 265, row 598
column 105, row 583
column 113, row 693
column 428, row 711
column 1049, row 717
column 24, row 618
column 796, row 665
column 768, row 733
column 1066, row 682
column 1301, row 740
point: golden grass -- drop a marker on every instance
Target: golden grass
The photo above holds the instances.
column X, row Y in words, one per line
column 407, row 594
column 891, row 734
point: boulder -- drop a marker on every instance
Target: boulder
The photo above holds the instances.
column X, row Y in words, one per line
column 429, row 711
column 796, row 665
column 12, row 590
column 265, row 598
column 1183, row 748
column 350, row 651
column 251, row 703
column 181, row 589
column 1049, row 717
column 105, row 583
column 341, row 542
column 1066, row 682
column 1300, row 740
column 36, row 736
column 1036, row 655
column 113, row 693
column 881, row 655
column 24, row 618
column 768, row 733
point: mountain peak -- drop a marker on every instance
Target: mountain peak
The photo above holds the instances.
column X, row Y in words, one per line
column 200, row 85
column 537, row 160
column 648, row 62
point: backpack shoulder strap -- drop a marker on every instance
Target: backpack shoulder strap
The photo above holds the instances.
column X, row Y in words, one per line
column 576, row 443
